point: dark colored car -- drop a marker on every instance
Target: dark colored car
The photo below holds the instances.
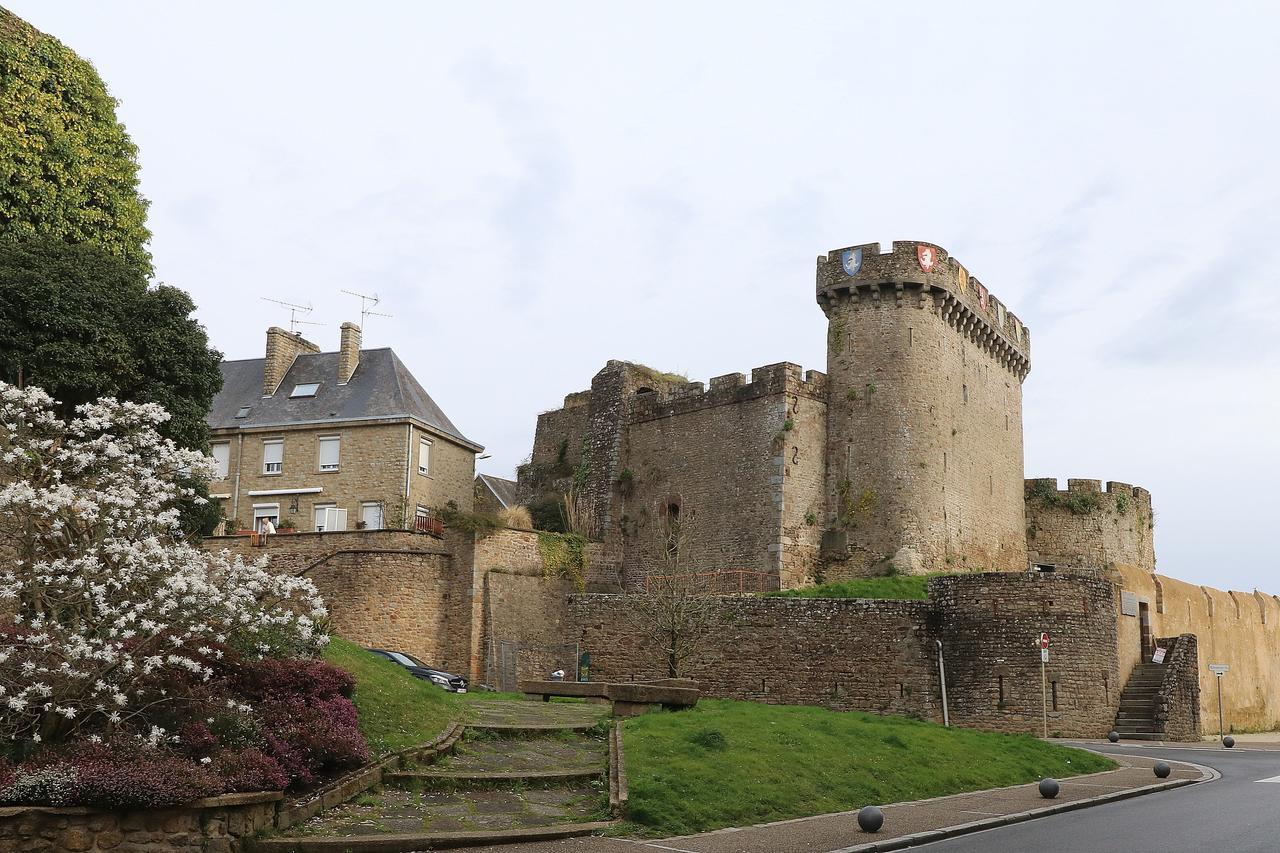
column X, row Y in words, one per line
column 447, row 680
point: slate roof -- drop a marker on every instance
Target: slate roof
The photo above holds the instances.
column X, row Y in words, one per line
column 381, row 387
column 503, row 490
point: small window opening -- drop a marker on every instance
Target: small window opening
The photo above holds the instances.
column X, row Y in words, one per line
column 305, row 389
column 1000, row 687
column 643, row 389
column 964, row 390
column 1054, row 685
column 244, row 412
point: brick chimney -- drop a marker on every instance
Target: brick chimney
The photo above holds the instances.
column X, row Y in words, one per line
column 348, row 352
column 282, row 348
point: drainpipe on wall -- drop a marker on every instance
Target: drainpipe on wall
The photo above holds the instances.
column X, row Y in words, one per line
column 235, row 498
column 408, row 470
column 942, row 678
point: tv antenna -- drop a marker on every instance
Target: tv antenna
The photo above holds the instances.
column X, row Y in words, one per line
column 294, row 310
column 367, row 303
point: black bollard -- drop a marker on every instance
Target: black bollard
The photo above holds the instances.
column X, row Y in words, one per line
column 870, row 819
column 1048, row 788
column 1162, row 770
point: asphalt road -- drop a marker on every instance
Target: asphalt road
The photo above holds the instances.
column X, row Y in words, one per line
column 1236, row 813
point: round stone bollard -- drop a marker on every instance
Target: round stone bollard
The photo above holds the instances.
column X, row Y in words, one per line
column 1162, row 770
column 870, row 819
column 1048, row 788
column 1113, row 736
column 1228, row 741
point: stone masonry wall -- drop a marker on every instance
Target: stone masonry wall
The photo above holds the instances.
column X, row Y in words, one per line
column 924, row 417
column 214, row 825
column 390, row 589
column 844, row 654
column 882, row 655
column 1178, row 702
column 1086, row 526
column 722, row 457
column 1232, row 627
column 989, row 624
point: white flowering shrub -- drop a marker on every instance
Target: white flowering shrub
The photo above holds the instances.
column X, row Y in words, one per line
column 102, row 610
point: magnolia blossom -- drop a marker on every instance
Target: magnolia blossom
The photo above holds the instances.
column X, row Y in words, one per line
column 99, row 595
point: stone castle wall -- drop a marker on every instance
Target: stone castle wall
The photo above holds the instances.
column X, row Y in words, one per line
column 730, row 460
column 882, row 655
column 390, row 589
column 1239, row 629
column 1087, row 526
column 924, row 419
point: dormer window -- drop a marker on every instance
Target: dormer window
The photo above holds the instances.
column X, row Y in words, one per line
column 244, row 412
column 305, row 389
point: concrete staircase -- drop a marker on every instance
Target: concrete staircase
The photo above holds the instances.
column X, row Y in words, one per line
column 1136, row 719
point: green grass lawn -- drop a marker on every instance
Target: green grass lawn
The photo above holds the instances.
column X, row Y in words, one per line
column 890, row 586
column 396, row 710
column 727, row 763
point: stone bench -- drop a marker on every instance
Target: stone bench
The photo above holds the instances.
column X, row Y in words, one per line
column 628, row 698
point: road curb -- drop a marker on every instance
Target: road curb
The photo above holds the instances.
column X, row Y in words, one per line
column 902, row 842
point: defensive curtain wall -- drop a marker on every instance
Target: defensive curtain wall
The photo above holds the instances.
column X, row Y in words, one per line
column 878, row 656
column 924, row 418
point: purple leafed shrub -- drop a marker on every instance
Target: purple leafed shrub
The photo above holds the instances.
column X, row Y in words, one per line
column 311, row 738
column 277, row 678
column 248, row 770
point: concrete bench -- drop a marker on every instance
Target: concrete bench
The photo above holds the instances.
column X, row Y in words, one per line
column 628, row 698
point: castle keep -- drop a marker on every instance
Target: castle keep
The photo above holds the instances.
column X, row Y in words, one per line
column 907, row 454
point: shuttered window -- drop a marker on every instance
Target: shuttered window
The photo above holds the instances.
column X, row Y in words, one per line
column 273, row 456
column 222, row 458
column 329, row 452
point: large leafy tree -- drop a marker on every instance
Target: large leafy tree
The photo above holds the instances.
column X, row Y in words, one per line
column 83, row 324
column 68, row 169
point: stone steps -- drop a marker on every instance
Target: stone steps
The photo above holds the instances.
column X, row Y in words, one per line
column 463, row 778
column 1135, row 717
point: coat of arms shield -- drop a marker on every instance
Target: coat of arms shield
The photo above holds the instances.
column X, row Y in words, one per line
column 851, row 260
column 927, row 256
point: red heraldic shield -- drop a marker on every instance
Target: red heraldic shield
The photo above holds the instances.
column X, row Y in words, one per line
column 928, row 257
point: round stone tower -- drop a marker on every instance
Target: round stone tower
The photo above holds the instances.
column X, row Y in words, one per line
column 924, row 415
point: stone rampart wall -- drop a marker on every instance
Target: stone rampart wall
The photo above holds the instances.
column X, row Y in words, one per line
column 1239, row 629
column 1085, row 526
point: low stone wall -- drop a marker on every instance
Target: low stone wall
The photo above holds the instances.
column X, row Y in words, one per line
column 882, row 656
column 1178, row 702
column 213, row 825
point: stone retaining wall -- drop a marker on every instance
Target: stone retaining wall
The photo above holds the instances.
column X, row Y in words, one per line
column 213, row 825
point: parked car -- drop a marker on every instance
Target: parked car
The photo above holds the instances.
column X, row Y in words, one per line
column 447, row 680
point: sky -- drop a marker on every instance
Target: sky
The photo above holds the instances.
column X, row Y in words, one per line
column 535, row 188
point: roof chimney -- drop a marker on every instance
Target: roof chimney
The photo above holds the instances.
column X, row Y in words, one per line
column 349, row 352
column 282, row 348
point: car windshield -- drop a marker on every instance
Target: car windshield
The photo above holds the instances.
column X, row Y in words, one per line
column 407, row 660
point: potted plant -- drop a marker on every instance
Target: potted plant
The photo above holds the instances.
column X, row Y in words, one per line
column 286, row 526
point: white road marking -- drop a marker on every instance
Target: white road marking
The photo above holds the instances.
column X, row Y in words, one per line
column 1272, row 779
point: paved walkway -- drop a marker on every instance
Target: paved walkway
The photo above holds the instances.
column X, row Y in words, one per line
column 840, row 833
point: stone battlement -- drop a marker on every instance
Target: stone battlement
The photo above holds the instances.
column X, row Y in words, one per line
column 781, row 378
column 947, row 288
column 1038, row 485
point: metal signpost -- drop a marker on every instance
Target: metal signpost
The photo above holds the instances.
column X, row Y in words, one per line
column 1043, row 642
column 1219, row 669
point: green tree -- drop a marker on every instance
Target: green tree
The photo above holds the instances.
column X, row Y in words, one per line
column 83, row 324
column 68, row 169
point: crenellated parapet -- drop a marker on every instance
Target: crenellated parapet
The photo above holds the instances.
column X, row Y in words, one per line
column 924, row 276
column 769, row 380
column 1089, row 524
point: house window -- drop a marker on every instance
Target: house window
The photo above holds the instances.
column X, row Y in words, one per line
column 273, row 456
column 262, row 512
column 222, row 458
column 329, row 450
column 305, row 389
column 371, row 515
column 320, row 516
column 243, row 412
column 424, row 456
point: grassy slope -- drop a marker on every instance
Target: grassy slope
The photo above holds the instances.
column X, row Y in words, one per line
column 728, row 763
column 396, row 709
column 895, row 586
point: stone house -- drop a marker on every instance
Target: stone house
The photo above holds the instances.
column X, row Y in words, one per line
column 494, row 494
column 333, row 440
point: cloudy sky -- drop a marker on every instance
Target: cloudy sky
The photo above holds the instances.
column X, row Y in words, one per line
column 535, row 188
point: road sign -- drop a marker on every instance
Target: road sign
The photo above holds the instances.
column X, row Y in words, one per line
column 1219, row 669
column 1044, row 656
column 1044, row 640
